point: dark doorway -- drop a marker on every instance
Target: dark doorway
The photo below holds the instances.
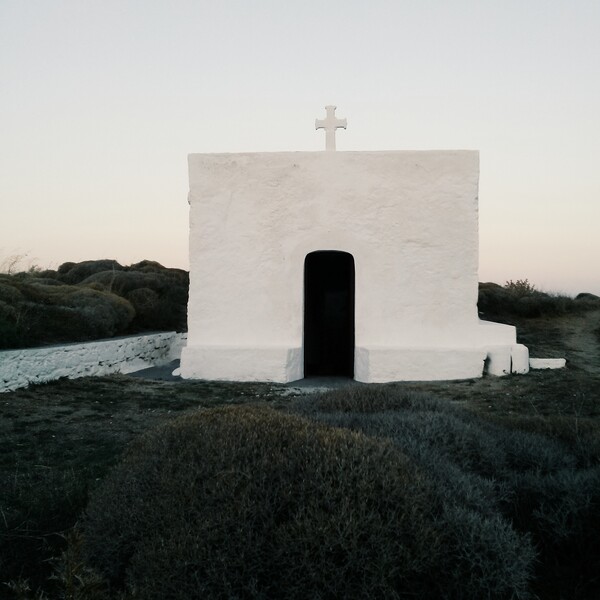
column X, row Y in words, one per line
column 329, row 314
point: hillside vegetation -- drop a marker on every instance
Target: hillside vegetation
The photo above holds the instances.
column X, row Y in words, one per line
column 520, row 299
column 90, row 300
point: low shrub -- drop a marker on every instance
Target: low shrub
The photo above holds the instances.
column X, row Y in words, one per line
column 543, row 487
column 160, row 296
column 587, row 297
column 521, row 299
column 520, row 287
column 246, row 502
column 73, row 273
column 37, row 508
column 9, row 292
column 149, row 266
column 107, row 313
column 85, row 301
column 149, row 310
column 63, row 313
column 9, row 331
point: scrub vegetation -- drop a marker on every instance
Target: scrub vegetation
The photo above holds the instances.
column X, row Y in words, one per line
column 90, row 300
column 122, row 487
column 520, row 299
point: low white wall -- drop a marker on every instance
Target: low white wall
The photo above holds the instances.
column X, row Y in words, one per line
column 547, row 363
column 19, row 368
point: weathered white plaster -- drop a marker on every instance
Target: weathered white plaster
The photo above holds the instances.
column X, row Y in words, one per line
column 547, row 363
column 520, row 359
column 409, row 219
column 381, row 364
column 502, row 360
column 19, row 368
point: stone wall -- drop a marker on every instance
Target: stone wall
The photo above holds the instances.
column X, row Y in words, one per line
column 19, row 368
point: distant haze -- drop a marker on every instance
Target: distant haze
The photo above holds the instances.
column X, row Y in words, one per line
column 101, row 102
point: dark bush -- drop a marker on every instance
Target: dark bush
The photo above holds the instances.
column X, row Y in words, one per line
column 521, row 299
column 162, row 303
column 9, row 331
column 47, row 274
column 149, row 309
column 123, row 282
column 588, row 301
column 37, row 507
column 45, row 310
column 590, row 297
column 76, row 272
column 9, row 291
column 65, row 268
column 107, row 313
column 52, row 314
column 148, row 266
column 246, row 502
column 541, row 486
column 37, row 280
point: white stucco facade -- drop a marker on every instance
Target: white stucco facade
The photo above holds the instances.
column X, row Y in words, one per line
column 408, row 219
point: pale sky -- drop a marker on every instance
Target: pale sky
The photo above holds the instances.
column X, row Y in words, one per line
column 101, row 101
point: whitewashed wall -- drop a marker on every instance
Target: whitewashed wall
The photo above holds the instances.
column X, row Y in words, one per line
column 409, row 220
column 19, row 368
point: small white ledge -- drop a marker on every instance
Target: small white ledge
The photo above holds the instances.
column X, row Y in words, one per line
column 547, row 363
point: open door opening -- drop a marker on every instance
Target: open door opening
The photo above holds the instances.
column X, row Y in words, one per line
column 329, row 314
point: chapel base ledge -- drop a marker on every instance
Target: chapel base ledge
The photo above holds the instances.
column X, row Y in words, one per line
column 375, row 364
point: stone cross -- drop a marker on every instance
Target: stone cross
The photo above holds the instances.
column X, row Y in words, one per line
column 330, row 123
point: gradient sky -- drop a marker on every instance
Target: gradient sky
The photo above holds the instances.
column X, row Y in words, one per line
column 102, row 100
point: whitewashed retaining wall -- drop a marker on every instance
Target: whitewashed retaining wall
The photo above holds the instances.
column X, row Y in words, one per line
column 19, row 368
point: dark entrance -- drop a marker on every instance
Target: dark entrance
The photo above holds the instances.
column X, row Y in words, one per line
column 329, row 314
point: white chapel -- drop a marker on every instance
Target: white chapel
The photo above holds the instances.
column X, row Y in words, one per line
column 335, row 263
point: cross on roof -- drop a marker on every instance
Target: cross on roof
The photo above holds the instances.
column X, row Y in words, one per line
column 330, row 123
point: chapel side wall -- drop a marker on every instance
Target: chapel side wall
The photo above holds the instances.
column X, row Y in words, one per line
column 420, row 285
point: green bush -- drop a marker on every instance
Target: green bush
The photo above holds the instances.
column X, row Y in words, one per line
column 246, row 502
